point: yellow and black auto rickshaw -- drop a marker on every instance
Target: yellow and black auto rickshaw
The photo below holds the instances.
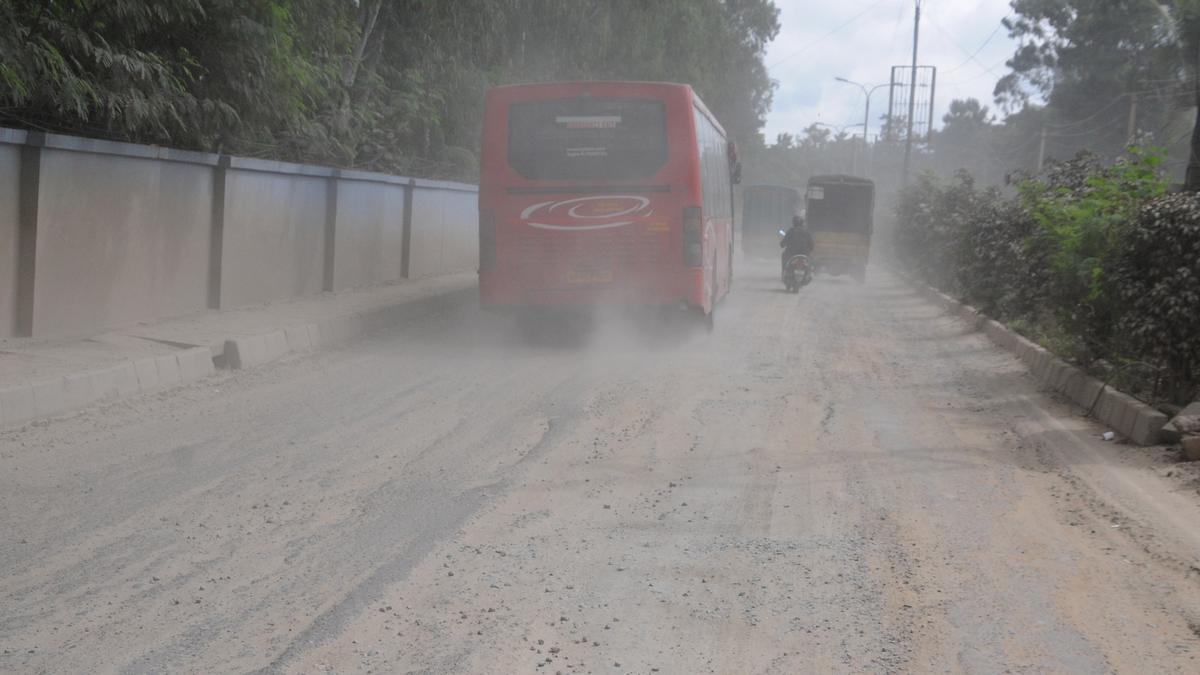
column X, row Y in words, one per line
column 840, row 213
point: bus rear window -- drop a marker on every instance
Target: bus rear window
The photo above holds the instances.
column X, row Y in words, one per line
column 587, row 138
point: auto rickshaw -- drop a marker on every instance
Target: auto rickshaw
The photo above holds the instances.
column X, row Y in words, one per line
column 840, row 212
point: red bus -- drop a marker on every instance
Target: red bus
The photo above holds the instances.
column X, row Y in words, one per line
column 604, row 193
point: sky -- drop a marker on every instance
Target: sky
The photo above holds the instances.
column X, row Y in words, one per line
column 862, row 39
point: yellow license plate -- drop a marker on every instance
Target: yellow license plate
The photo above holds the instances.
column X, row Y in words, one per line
column 586, row 276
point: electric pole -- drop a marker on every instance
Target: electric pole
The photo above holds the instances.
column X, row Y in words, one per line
column 1041, row 157
column 1131, row 131
column 912, row 96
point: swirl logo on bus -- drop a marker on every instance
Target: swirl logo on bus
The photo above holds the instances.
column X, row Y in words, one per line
column 588, row 213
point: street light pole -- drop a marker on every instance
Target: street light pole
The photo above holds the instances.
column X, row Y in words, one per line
column 841, row 130
column 867, row 91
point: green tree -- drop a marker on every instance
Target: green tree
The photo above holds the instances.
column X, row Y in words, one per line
column 965, row 139
column 1186, row 17
column 1108, row 71
column 393, row 85
column 816, row 137
column 105, row 67
column 278, row 64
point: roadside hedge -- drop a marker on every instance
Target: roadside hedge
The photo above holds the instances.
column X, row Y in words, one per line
column 1098, row 263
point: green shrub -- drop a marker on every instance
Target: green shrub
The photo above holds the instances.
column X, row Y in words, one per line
column 1156, row 276
column 931, row 221
column 996, row 269
column 1091, row 261
column 1081, row 211
column 920, row 243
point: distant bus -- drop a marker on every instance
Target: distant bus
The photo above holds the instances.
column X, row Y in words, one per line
column 767, row 209
column 597, row 193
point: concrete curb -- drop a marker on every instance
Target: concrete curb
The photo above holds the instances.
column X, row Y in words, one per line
column 1122, row 413
column 58, row 395
column 252, row 351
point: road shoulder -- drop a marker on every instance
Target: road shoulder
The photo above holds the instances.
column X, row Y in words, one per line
column 42, row 378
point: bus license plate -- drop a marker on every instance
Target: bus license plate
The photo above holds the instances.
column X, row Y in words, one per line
column 588, row 276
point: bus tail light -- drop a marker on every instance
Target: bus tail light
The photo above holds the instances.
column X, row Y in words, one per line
column 487, row 239
column 693, row 236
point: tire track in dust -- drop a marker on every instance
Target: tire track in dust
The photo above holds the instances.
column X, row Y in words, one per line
column 454, row 508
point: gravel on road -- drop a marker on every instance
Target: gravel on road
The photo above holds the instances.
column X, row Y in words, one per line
column 840, row 481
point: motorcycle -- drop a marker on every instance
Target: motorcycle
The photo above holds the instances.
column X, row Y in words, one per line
column 797, row 272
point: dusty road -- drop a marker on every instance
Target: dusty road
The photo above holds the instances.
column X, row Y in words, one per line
column 844, row 481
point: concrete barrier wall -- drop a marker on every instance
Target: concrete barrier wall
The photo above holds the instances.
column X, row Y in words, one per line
column 10, row 181
column 445, row 230
column 460, row 231
column 426, row 238
column 96, row 234
column 369, row 245
column 119, row 240
column 273, row 246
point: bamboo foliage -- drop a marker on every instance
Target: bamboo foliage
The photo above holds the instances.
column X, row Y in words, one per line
column 391, row 85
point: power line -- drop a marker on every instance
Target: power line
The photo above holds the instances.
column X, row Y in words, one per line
column 998, row 162
column 989, row 71
column 1107, row 126
column 1089, row 118
column 1115, row 100
column 901, row 13
column 828, row 35
column 970, row 56
column 976, row 53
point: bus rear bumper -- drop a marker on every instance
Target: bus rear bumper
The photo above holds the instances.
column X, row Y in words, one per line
column 685, row 287
column 567, row 299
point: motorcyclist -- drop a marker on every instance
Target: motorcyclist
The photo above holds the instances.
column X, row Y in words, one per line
column 797, row 241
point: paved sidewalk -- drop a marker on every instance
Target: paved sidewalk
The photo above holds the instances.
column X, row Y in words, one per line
column 41, row 378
